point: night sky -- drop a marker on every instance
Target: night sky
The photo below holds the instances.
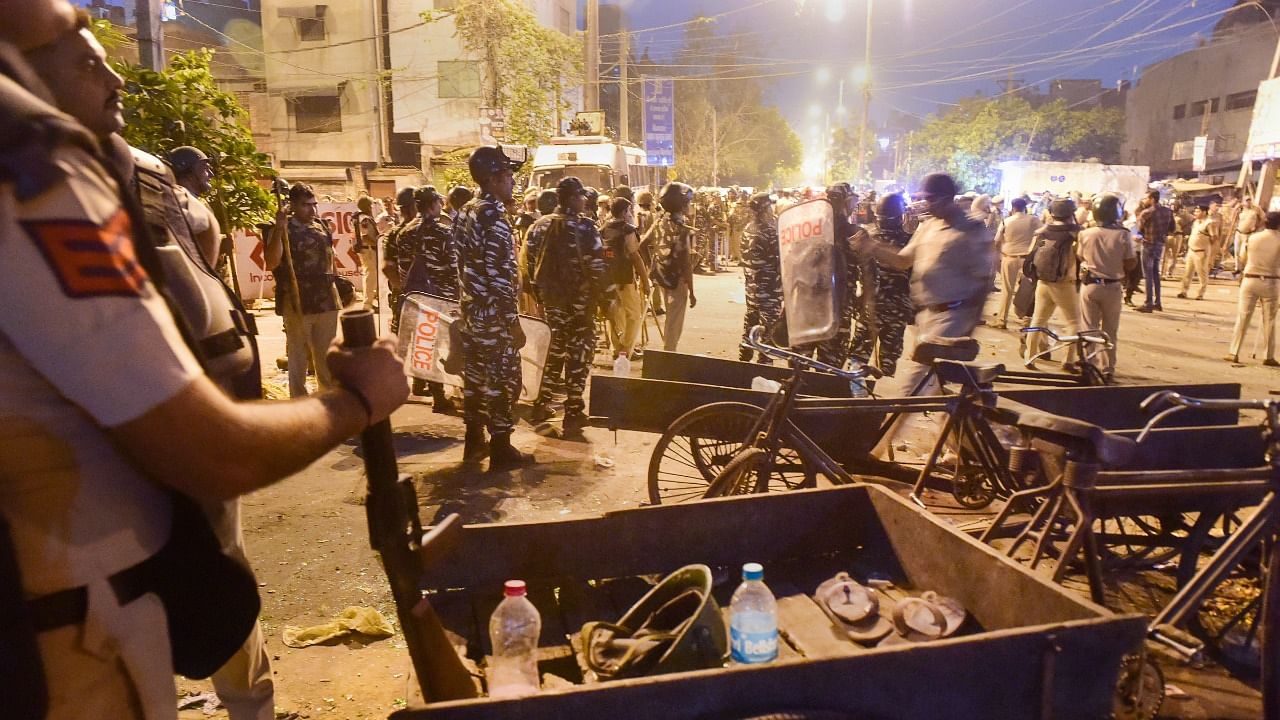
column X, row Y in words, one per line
column 927, row 52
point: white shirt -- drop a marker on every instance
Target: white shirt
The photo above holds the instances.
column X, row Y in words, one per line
column 1262, row 254
column 1015, row 234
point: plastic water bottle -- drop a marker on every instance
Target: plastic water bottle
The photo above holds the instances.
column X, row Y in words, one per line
column 622, row 366
column 753, row 619
column 514, row 629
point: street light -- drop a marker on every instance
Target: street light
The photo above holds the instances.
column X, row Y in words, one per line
column 822, row 75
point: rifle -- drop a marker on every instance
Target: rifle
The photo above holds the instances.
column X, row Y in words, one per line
column 292, row 308
column 395, row 533
column 220, row 212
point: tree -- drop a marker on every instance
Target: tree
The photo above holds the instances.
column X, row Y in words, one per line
column 973, row 138
column 724, row 132
column 527, row 66
column 184, row 106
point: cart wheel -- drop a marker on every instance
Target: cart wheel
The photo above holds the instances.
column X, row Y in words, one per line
column 972, row 488
column 1140, row 690
column 1142, row 540
column 1230, row 619
column 700, row 443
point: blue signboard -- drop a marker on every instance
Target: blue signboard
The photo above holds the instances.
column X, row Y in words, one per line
column 659, row 121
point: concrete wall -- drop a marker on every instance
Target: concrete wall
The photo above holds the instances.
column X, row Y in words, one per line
column 1235, row 63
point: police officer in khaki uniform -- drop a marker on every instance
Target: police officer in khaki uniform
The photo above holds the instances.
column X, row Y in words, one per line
column 101, row 394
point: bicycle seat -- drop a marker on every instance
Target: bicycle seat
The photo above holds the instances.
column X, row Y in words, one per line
column 1108, row 448
column 927, row 350
column 969, row 374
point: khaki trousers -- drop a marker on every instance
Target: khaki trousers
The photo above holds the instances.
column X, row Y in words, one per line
column 1252, row 292
column 624, row 320
column 309, row 341
column 1051, row 296
column 1100, row 309
column 1197, row 262
column 244, row 683
column 369, row 258
column 1010, row 273
column 677, row 301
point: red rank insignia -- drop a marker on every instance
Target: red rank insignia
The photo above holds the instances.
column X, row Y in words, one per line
column 90, row 260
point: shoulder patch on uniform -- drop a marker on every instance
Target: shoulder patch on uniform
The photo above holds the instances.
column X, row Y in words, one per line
column 90, row 260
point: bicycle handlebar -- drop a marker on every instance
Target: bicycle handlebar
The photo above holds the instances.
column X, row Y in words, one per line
column 1167, row 402
column 1090, row 336
column 754, row 342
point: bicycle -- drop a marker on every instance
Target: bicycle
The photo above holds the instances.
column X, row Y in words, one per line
column 1088, row 486
column 734, row 448
column 1086, row 346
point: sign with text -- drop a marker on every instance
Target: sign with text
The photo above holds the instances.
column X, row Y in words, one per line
column 659, row 121
column 493, row 125
column 1200, row 150
column 806, row 246
column 256, row 280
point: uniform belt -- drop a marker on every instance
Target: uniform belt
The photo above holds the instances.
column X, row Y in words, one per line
column 1103, row 281
column 1262, row 277
column 1016, row 256
column 1195, row 250
column 71, row 606
column 944, row 307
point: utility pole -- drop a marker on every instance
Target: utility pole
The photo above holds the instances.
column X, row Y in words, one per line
column 150, row 35
column 866, row 100
column 624, row 92
column 593, row 55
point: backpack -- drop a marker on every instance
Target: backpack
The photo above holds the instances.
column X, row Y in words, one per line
column 556, row 272
column 1050, row 260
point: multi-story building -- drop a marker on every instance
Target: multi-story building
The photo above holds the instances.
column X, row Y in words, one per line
column 1209, row 90
column 365, row 95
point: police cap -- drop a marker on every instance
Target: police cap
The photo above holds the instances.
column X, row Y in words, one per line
column 644, row 199
column 760, row 200
column 184, row 159
column 547, row 201
column 675, row 197
column 622, row 191
column 426, row 195
column 404, row 196
column 1063, row 209
column 300, row 191
column 486, row 161
column 460, row 195
column 570, row 186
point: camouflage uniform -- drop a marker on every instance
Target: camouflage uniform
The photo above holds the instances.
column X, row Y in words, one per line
column 433, row 266
column 763, row 272
column 893, row 307
column 491, row 369
column 835, row 351
column 403, row 261
column 568, row 290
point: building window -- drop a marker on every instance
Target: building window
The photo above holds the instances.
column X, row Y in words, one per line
column 1197, row 108
column 1213, row 105
column 311, row 29
column 458, row 78
column 317, row 113
column 1242, row 100
column 1179, row 112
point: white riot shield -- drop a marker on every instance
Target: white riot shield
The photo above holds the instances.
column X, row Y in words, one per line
column 424, row 343
column 806, row 246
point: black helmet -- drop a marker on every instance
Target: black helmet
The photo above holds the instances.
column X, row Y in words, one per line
column 486, row 161
column 644, row 199
column 460, row 195
column 675, row 197
column 760, row 201
column 405, row 196
column 547, row 201
column 1107, row 209
column 891, row 207
column 185, row 158
column 593, row 195
column 1064, row 209
column 623, row 191
column 570, row 186
column 839, row 191
column 426, row 195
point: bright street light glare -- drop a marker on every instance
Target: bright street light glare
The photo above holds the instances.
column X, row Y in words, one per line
column 833, row 10
column 822, row 75
column 860, row 74
column 815, row 110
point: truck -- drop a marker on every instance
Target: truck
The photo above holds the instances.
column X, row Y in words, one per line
column 597, row 161
column 1034, row 177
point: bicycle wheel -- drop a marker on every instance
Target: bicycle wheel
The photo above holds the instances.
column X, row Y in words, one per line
column 1093, row 377
column 700, row 443
column 1133, row 541
column 1230, row 619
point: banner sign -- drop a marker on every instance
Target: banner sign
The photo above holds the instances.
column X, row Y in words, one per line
column 659, row 121
column 1264, row 130
column 256, row 280
column 806, row 246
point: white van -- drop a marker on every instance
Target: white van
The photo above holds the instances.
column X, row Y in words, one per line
column 597, row 161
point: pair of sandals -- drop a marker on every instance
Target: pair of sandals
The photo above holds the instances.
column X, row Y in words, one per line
column 870, row 618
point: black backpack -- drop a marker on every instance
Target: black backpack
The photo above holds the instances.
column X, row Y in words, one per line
column 1054, row 251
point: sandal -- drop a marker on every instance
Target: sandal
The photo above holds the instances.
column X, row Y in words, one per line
column 922, row 619
column 853, row 608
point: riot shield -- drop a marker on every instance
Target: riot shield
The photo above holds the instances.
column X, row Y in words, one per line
column 806, row 247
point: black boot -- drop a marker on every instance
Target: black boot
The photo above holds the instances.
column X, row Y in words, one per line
column 440, row 403
column 504, row 457
column 474, row 448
